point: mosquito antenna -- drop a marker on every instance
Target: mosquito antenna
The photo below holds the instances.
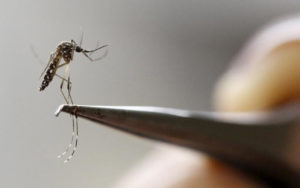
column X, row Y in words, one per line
column 97, row 46
column 97, row 59
column 89, row 51
column 81, row 39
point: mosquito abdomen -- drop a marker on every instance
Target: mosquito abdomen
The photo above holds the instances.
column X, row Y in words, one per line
column 49, row 73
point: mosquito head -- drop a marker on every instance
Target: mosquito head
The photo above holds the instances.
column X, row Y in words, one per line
column 78, row 49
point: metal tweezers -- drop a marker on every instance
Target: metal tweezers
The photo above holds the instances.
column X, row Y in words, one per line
column 263, row 144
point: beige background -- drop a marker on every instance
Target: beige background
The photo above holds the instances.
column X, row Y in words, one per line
column 162, row 53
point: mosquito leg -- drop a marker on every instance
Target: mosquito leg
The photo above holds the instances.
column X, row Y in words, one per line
column 59, row 66
column 74, row 128
column 64, row 79
column 71, row 143
column 69, row 90
column 85, row 54
column 61, row 77
column 76, row 138
column 62, row 92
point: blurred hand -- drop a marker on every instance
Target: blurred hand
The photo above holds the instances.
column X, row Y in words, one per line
column 174, row 167
column 264, row 75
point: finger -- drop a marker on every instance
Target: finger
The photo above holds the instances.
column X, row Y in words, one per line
column 266, row 73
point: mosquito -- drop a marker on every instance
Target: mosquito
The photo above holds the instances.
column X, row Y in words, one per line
column 65, row 51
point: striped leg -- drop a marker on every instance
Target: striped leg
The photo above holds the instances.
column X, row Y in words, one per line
column 74, row 117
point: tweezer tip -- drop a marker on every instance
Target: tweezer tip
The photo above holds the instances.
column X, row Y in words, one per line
column 69, row 108
column 59, row 109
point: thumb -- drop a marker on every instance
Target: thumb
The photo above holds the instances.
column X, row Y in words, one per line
column 266, row 73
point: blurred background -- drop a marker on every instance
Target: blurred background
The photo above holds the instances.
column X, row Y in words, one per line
column 161, row 53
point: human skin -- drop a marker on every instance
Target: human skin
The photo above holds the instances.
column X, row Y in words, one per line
column 264, row 75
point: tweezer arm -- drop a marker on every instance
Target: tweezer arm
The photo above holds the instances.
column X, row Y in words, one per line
column 256, row 147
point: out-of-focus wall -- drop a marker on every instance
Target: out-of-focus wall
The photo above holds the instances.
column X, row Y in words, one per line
column 161, row 53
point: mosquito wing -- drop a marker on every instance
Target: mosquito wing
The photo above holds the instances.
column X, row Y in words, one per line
column 40, row 61
column 49, row 62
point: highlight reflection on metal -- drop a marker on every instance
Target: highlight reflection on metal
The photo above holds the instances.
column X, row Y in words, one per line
column 263, row 144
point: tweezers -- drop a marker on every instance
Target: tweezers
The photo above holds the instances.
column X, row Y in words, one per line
column 265, row 145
